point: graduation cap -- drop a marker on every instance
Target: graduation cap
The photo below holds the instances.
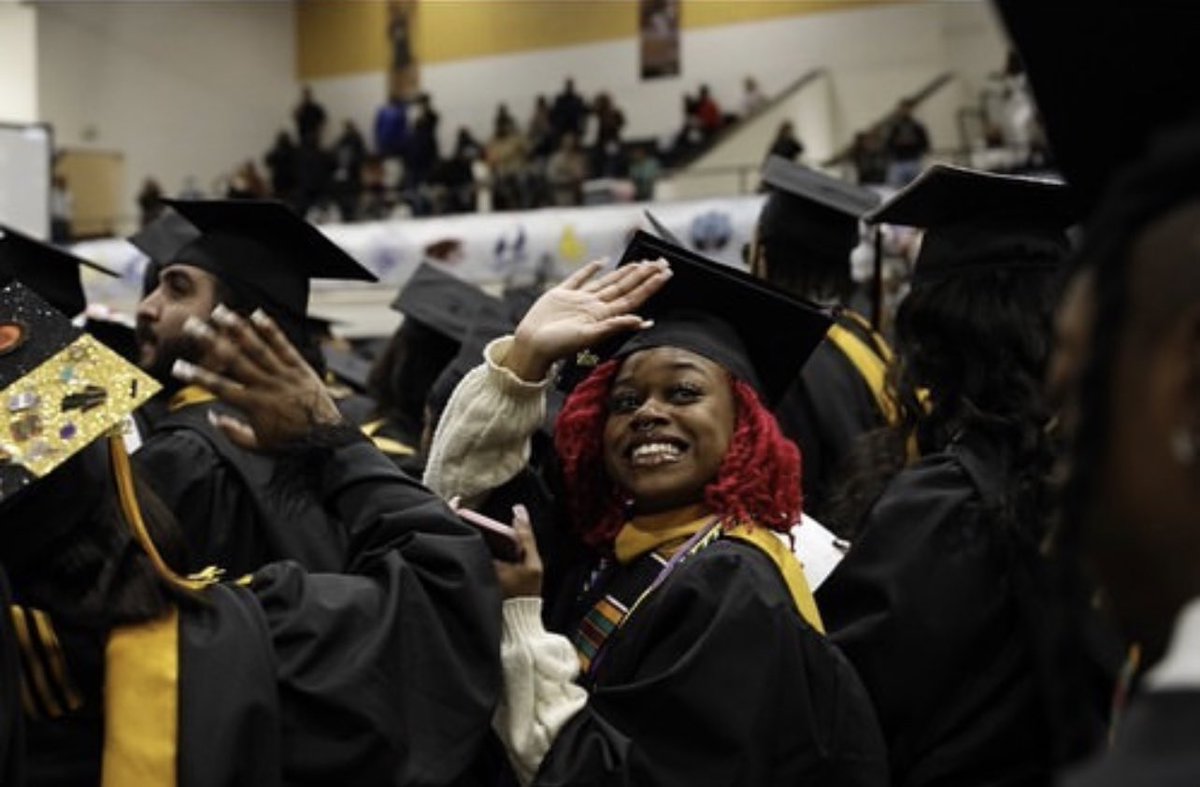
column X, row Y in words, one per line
column 259, row 248
column 822, row 211
column 758, row 333
column 1106, row 78
column 980, row 221
column 442, row 301
column 60, row 389
column 46, row 269
column 488, row 324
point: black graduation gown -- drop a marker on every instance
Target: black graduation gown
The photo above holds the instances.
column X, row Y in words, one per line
column 824, row 411
column 717, row 680
column 1156, row 745
column 939, row 613
column 387, row 674
column 238, row 510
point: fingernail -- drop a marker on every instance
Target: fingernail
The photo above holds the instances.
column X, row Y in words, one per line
column 183, row 370
column 197, row 328
column 213, row 418
column 224, row 315
column 647, row 324
column 260, row 318
column 520, row 512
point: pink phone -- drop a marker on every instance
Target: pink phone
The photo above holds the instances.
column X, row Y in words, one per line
column 501, row 539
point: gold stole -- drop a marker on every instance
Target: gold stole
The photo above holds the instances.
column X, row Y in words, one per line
column 141, row 704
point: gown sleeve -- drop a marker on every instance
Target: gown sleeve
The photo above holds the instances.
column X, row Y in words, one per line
column 389, row 673
column 719, row 681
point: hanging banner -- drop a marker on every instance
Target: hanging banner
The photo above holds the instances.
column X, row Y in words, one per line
column 658, row 30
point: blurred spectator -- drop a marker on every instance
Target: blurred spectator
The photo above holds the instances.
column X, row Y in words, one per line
column 540, row 132
column 568, row 114
column 643, row 171
column 785, row 143
column 610, row 120
column 349, row 156
column 907, row 144
column 565, row 172
column 452, row 182
column 150, row 201
column 708, row 114
column 690, row 138
column 752, row 98
column 281, row 161
column 870, row 157
column 506, row 157
column 391, row 127
column 504, row 117
column 309, row 117
column 314, row 176
column 61, row 208
column 422, row 151
column 246, row 183
column 375, row 203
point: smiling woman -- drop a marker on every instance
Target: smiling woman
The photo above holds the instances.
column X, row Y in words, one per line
column 694, row 616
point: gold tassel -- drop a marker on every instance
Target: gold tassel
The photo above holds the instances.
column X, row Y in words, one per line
column 123, row 475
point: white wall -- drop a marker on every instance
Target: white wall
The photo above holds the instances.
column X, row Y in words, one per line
column 874, row 55
column 18, row 63
column 180, row 88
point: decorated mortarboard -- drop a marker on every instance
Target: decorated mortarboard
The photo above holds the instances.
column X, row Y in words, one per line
column 441, row 300
column 60, row 389
column 824, row 210
column 51, row 272
column 977, row 221
column 1106, row 78
column 259, row 248
column 760, row 334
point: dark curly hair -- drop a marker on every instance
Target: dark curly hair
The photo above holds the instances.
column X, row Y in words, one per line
column 759, row 477
column 971, row 355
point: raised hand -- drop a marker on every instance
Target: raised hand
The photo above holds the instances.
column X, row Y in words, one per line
column 252, row 366
column 582, row 311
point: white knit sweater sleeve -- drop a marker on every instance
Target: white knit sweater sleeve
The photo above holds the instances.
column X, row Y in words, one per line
column 540, row 694
column 482, row 440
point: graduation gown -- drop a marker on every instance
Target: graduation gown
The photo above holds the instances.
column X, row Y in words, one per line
column 828, row 406
column 1155, row 745
column 238, row 510
column 944, row 618
column 716, row 679
column 387, row 674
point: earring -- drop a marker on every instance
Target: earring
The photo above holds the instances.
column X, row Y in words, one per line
column 1183, row 446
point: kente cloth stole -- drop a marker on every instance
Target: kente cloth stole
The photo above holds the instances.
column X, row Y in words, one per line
column 626, row 591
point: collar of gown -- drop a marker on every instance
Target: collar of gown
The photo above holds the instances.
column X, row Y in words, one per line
column 645, row 533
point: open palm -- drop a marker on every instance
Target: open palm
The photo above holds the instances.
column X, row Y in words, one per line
column 582, row 311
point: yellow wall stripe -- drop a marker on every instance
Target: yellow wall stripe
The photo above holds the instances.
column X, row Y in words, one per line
column 342, row 37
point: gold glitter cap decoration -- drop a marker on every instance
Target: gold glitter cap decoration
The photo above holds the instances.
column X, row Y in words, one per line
column 60, row 389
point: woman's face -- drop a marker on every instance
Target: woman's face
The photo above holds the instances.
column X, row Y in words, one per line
column 671, row 416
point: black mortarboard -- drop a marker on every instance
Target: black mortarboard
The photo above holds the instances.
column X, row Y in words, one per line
column 47, row 270
column 820, row 211
column 259, row 248
column 346, row 365
column 489, row 323
column 981, row 221
column 760, row 334
column 1106, row 77
column 442, row 301
column 60, row 389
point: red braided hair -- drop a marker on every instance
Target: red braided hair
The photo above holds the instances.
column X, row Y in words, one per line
column 759, row 477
